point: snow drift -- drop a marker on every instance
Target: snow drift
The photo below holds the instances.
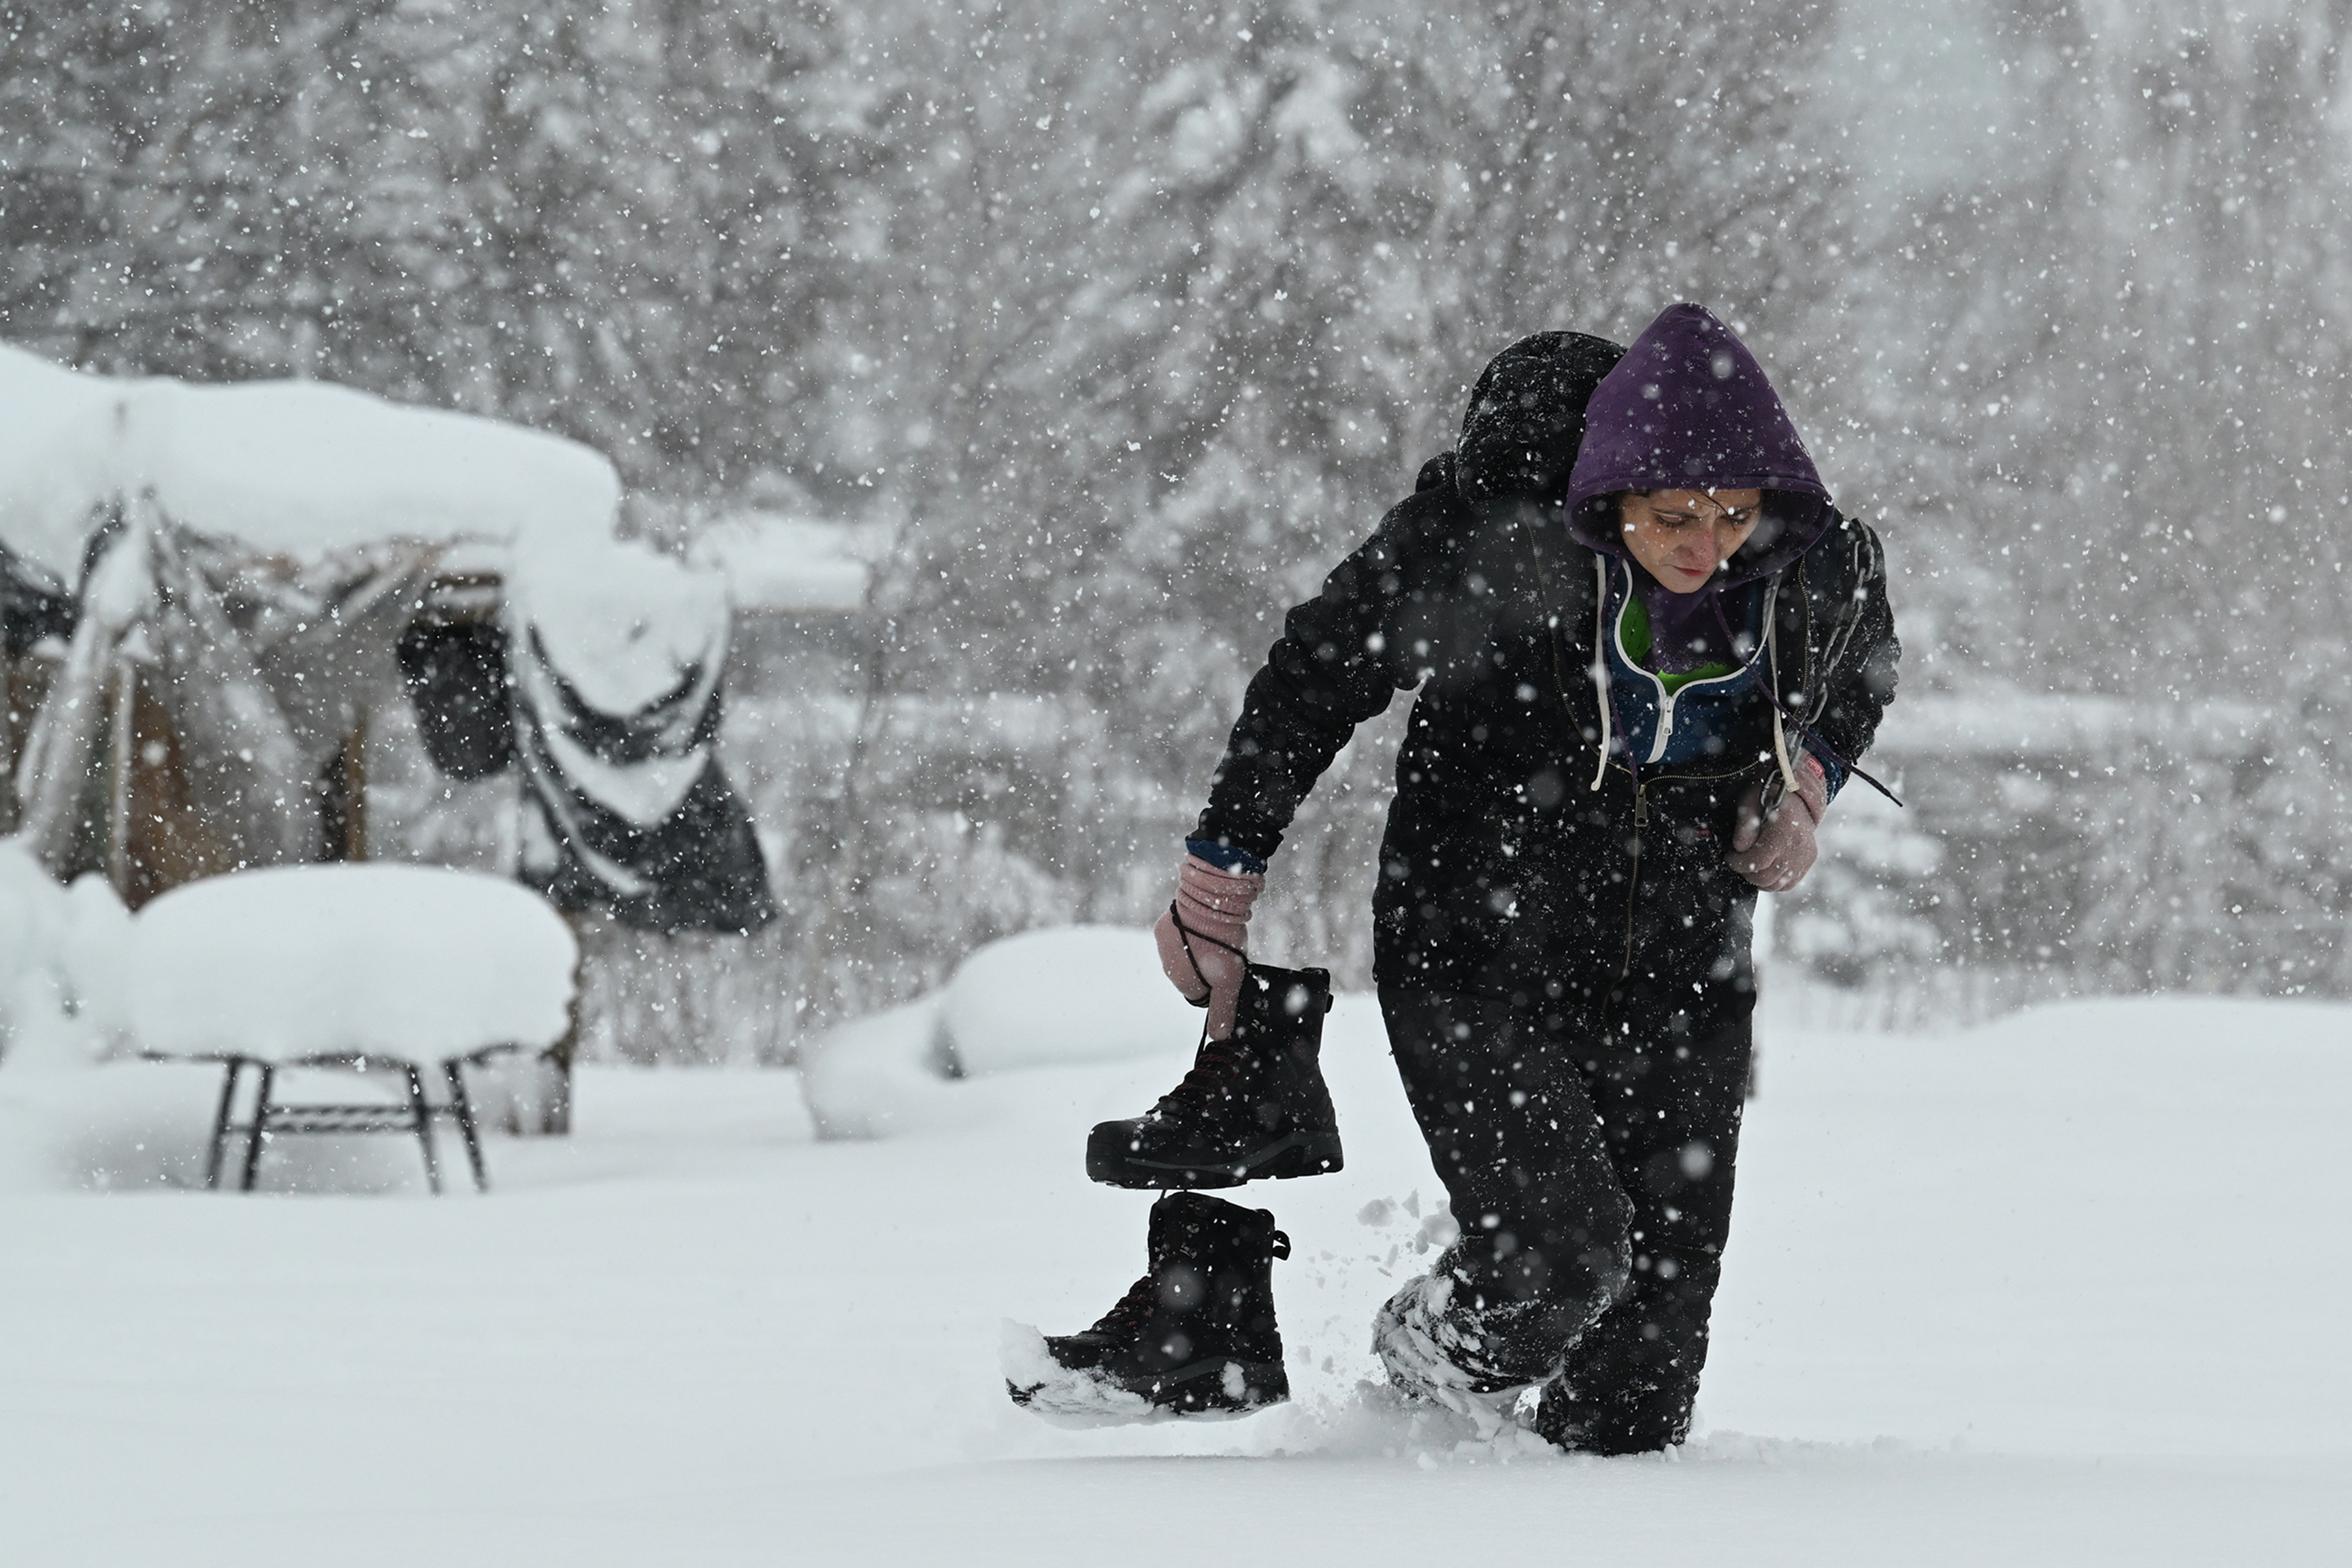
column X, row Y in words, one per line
column 1043, row 998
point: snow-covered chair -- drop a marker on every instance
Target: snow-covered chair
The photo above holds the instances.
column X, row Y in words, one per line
column 413, row 971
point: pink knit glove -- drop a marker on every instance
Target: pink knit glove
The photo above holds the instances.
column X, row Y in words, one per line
column 1215, row 906
column 1774, row 853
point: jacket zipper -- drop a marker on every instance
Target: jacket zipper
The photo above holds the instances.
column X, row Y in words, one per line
column 1633, row 891
column 1633, row 887
column 1663, row 733
column 1633, row 874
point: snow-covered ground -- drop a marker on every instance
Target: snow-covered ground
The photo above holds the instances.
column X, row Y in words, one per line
column 2069, row 1290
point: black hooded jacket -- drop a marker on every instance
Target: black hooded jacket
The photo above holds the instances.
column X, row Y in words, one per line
column 1504, row 870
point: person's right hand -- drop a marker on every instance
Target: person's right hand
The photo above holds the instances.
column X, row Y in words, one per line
column 1204, row 938
column 1774, row 849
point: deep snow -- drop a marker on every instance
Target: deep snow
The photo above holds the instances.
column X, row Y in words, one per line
column 2068, row 1289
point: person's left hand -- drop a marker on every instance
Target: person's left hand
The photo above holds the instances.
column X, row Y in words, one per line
column 1211, row 906
column 1774, row 850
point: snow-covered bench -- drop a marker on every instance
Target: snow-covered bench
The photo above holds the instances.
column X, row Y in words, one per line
column 412, row 971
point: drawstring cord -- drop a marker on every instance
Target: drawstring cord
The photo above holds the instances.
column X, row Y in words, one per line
column 1605, row 686
column 1771, row 679
column 1781, row 716
column 1600, row 670
column 1601, row 683
column 1184, row 934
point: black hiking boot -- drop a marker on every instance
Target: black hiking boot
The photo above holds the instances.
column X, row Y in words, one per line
column 1196, row 1334
column 1641, row 1415
column 1253, row 1106
column 1458, row 1336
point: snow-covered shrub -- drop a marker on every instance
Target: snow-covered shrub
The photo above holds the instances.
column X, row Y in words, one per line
column 1044, row 998
column 1072, row 994
column 879, row 1076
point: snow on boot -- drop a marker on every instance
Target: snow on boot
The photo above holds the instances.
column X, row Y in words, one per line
column 1254, row 1105
column 1195, row 1335
column 1444, row 1339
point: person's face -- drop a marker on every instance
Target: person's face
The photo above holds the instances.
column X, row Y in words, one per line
column 1683, row 537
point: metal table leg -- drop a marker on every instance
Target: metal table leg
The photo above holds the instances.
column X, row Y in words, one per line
column 219, row 1149
column 261, row 1125
column 462, row 1106
column 424, row 1114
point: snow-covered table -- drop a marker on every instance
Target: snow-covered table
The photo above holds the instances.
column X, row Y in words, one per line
column 413, row 971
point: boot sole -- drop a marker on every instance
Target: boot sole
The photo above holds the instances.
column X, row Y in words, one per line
column 1220, row 1385
column 1110, row 1161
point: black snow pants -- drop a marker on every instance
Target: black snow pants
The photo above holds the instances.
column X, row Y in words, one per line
column 1571, row 1133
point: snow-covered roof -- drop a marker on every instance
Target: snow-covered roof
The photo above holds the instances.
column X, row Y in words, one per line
column 297, row 467
column 776, row 562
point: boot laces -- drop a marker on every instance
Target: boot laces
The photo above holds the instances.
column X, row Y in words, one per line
column 1185, row 934
column 1214, row 1069
column 1132, row 1311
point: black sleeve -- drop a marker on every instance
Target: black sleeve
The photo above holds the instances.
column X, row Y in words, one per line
column 1340, row 662
column 1861, row 651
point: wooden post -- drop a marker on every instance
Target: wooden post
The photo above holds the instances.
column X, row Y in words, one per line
column 555, row 1071
column 342, row 799
column 122, row 754
column 355, row 809
column 532, row 1097
column 8, row 741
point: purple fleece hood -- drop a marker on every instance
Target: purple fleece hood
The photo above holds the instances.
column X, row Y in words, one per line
column 1689, row 409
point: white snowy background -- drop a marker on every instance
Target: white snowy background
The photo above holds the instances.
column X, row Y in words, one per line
column 1100, row 330
column 1018, row 363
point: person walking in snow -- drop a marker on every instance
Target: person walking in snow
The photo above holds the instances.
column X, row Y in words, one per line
column 1647, row 648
